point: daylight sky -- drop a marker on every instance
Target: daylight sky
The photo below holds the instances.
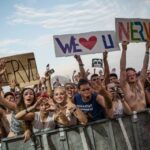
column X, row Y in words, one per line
column 29, row 26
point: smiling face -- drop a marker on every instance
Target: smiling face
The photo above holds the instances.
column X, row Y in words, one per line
column 28, row 97
column 59, row 95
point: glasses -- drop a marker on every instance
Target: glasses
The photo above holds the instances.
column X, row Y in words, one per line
column 83, row 90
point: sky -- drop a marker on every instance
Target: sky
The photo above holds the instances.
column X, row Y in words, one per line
column 29, row 26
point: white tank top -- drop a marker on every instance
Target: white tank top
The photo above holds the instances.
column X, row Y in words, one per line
column 39, row 126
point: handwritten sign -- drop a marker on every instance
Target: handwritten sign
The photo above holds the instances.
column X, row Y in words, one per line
column 22, row 68
column 85, row 43
column 97, row 63
column 133, row 30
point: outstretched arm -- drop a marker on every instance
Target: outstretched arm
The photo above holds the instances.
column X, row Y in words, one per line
column 26, row 114
column 145, row 63
column 106, row 68
column 123, row 64
column 81, row 66
column 48, row 82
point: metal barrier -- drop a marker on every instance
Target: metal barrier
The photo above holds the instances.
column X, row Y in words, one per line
column 126, row 133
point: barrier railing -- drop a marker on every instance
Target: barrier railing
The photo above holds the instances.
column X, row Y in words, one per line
column 123, row 133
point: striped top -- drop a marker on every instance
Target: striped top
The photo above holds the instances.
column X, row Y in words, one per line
column 16, row 126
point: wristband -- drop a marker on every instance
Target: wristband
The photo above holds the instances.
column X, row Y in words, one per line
column 147, row 53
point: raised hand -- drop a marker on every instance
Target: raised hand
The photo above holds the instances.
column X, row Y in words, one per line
column 87, row 73
column 77, row 57
column 61, row 118
column 105, row 54
column 12, row 83
column 124, row 45
column 97, row 85
column 53, row 106
column 39, row 100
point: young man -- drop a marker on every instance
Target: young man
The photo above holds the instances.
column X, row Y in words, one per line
column 133, row 86
column 94, row 105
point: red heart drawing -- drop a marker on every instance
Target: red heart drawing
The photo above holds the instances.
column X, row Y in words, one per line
column 90, row 43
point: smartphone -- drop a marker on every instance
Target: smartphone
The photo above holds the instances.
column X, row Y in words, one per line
column 51, row 71
column 47, row 67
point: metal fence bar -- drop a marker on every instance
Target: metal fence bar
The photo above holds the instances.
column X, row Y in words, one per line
column 112, row 136
column 83, row 138
column 125, row 134
column 45, row 142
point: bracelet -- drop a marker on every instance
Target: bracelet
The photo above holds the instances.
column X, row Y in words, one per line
column 147, row 52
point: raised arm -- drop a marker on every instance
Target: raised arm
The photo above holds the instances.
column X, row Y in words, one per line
column 106, row 67
column 26, row 114
column 123, row 64
column 48, row 82
column 145, row 63
column 81, row 66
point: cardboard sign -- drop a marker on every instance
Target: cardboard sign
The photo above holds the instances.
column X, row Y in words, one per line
column 85, row 43
column 133, row 30
column 22, row 68
column 97, row 63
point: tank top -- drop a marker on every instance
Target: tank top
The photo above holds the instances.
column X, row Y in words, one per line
column 16, row 126
column 38, row 125
column 92, row 108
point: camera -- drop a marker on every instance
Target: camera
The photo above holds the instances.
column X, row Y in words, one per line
column 114, row 89
column 49, row 70
column 119, row 91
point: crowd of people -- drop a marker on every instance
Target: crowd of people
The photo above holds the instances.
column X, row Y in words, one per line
column 24, row 111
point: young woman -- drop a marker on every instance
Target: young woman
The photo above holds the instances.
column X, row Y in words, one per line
column 18, row 127
column 4, row 124
column 66, row 106
column 45, row 118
